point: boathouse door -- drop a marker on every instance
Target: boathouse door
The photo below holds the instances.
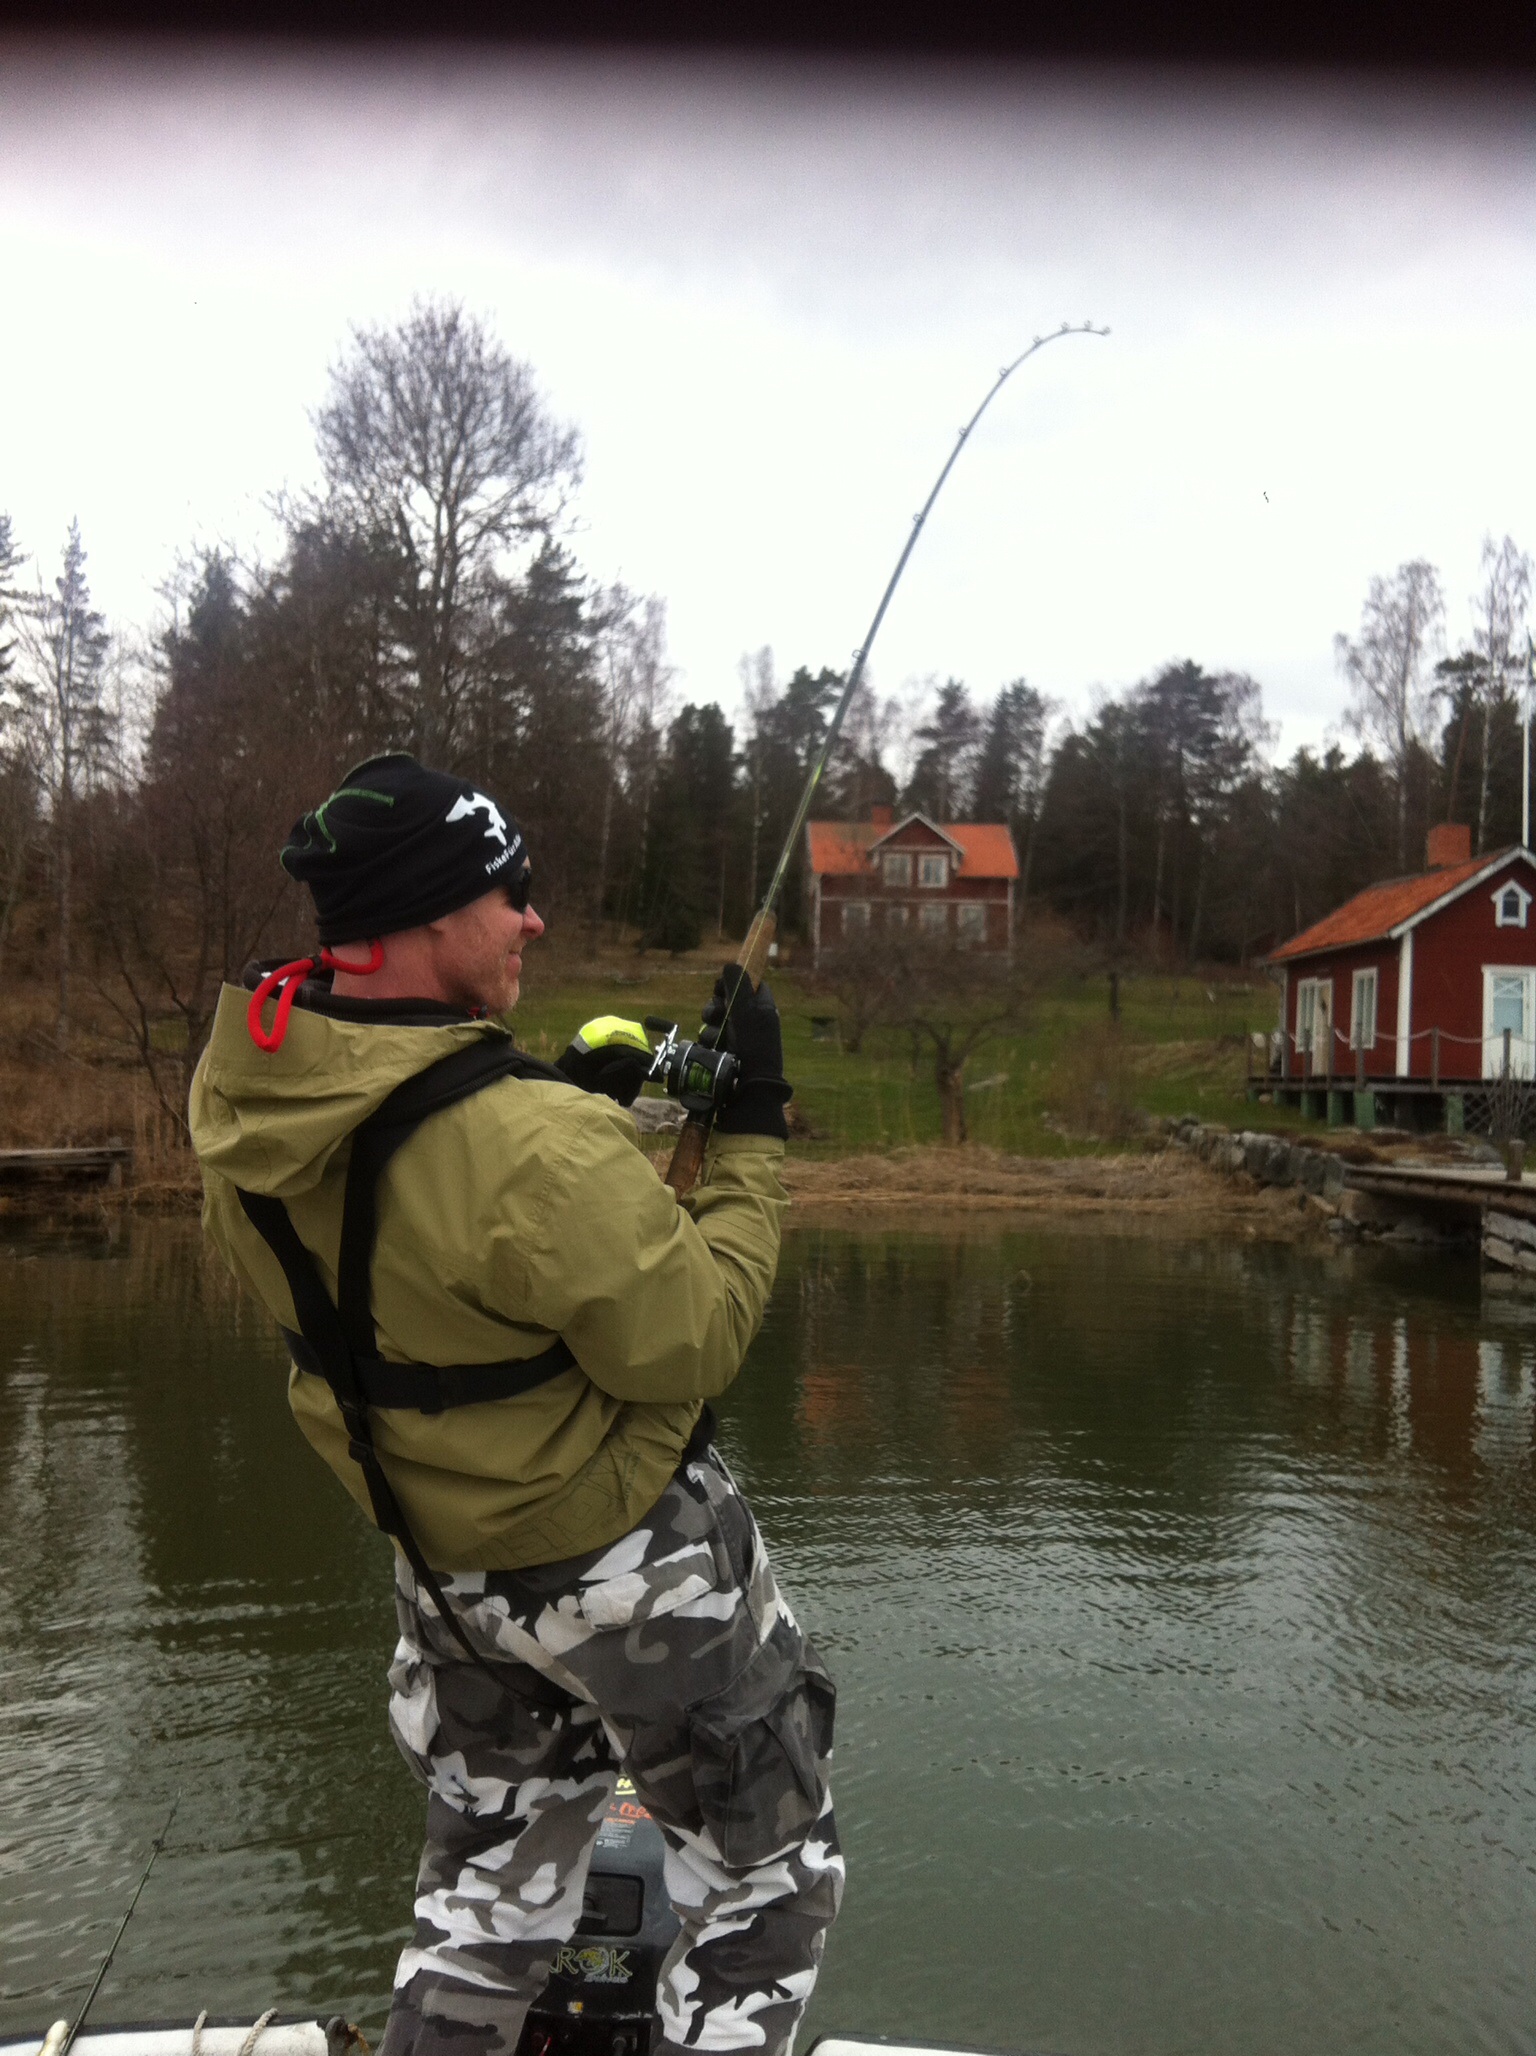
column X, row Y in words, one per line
column 1509, row 1004
column 1321, row 1059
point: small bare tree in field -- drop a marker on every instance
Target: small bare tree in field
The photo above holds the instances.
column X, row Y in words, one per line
column 863, row 978
column 1388, row 669
column 951, row 1001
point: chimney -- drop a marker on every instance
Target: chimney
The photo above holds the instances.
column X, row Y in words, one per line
column 880, row 819
column 1450, row 842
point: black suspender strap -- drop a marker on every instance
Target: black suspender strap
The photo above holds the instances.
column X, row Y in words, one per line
column 338, row 1340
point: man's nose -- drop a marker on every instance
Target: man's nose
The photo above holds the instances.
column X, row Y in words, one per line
column 533, row 927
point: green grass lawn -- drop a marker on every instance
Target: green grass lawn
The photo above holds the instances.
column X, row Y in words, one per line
column 1069, row 1084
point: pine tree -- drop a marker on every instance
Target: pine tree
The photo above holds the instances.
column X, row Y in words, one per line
column 1013, row 769
column 940, row 785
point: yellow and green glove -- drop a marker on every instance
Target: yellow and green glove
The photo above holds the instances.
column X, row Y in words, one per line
column 608, row 1055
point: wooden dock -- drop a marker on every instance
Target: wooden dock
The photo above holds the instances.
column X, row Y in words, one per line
column 104, row 1163
column 1504, row 1209
column 1465, row 1185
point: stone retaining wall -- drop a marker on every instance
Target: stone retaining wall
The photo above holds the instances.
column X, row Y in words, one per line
column 1276, row 1160
column 1271, row 1159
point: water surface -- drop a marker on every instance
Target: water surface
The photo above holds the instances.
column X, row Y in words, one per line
column 1180, row 1595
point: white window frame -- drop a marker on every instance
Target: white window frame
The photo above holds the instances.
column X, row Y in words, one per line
column 971, row 923
column 855, row 917
column 934, row 918
column 936, row 863
column 1365, row 991
column 1522, row 1047
column 1523, row 900
column 896, row 868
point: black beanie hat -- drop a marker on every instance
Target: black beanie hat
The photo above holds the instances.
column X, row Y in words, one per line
column 397, row 845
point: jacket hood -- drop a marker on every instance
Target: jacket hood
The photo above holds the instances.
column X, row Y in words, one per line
column 271, row 1122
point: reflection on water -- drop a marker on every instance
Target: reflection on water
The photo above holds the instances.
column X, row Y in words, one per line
column 1179, row 1595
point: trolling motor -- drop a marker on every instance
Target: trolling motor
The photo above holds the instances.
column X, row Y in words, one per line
column 702, row 1080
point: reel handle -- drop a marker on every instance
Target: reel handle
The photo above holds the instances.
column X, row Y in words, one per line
column 682, row 1174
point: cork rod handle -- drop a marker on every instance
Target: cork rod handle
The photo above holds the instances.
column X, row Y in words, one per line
column 682, row 1174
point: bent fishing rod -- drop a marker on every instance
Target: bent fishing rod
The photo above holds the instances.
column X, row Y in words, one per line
column 688, row 1157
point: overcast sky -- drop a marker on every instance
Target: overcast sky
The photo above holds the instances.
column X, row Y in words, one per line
column 768, row 294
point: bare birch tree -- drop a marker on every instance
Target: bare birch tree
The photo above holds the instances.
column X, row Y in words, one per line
column 59, row 685
column 1389, row 670
column 759, row 692
column 19, row 814
column 636, row 682
column 435, row 443
column 1498, row 622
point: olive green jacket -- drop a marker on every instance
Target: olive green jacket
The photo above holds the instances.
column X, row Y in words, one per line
column 524, row 1212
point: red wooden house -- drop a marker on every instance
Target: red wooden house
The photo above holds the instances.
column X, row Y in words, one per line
column 884, row 876
column 1415, row 986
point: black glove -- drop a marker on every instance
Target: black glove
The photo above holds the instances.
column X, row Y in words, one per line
column 747, row 1024
column 608, row 1055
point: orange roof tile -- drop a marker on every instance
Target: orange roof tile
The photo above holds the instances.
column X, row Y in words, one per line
column 1374, row 913
column 842, row 847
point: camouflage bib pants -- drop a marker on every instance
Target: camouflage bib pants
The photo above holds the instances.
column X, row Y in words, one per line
column 669, row 1656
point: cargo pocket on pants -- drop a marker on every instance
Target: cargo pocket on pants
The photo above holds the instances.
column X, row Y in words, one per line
column 758, row 1748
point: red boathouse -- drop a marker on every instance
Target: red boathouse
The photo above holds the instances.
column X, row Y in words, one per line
column 1412, row 989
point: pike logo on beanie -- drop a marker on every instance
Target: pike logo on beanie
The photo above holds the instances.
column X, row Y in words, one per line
column 398, row 844
column 462, row 808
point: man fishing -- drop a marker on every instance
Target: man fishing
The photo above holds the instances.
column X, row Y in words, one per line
column 505, row 1331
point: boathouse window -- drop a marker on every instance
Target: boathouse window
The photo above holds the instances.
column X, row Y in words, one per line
column 1362, row 1013
column 935, row 920
column 1510, row 903
column 933, row 869
column 1509, row 1006
column 971, row 921
column 896, row 916
column 896, row 868
column 855, row 917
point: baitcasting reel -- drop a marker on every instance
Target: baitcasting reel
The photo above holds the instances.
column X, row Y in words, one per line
column 700, row 1079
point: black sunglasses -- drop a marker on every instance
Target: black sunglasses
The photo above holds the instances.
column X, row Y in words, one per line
column 519, row 889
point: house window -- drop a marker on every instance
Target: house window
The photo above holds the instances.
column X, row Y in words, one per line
column 855, row 917
column 971, row 922
column 896, row 916
column 1509, row 906
column 1362, row 1012
column 933, row 869
column 896, row 868
column 935, row 920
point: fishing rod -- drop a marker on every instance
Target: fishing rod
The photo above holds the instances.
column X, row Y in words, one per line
column 64, row 2047
column 688, row 1157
